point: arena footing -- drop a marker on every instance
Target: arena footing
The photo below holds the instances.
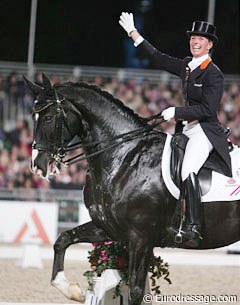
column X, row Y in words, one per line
column 25, row 303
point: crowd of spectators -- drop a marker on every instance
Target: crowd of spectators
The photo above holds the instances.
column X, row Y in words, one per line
column 143, row 97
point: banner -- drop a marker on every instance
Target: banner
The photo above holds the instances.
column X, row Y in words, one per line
column 28, row 222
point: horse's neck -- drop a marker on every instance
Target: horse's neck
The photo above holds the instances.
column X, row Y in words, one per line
column 105, row 117
column 105, row 120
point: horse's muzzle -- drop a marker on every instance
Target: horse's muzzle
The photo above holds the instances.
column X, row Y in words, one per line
column 42, row 164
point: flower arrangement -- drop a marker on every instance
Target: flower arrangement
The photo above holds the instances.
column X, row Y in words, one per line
column 114, row 255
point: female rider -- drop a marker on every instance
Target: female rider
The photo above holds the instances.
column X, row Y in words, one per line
column 203, row 87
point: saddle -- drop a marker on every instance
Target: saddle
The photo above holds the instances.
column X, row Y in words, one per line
column 178, row 145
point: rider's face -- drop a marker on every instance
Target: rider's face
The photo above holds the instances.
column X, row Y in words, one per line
column 199, row 45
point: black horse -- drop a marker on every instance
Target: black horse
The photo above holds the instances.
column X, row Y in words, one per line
column 124, row 193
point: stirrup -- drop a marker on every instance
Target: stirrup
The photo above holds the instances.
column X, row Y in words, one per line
column 176, row 234
column 178, row 237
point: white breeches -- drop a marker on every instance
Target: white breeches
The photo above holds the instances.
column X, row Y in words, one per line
column 197, row 150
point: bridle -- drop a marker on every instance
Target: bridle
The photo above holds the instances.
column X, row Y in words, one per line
column 58, row 149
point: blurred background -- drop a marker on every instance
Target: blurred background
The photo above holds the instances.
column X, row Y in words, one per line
column 73, row 40
column 87, row 33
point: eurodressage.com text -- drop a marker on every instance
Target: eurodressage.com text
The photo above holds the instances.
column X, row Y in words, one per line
column 193, row 298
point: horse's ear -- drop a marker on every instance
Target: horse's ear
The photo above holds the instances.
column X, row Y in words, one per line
column 33, row 87
column 56, row 95
column 46, row 82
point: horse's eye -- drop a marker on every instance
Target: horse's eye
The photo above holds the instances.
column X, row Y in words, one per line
column 48, row 119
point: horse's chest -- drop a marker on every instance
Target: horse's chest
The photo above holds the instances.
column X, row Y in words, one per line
column 98, row 199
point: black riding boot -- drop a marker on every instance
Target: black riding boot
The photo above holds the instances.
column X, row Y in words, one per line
column 191, row 234
column 177, row 216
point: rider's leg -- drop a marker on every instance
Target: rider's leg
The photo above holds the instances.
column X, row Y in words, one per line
column 192, row 232
column 174, row 227
column 197, row 152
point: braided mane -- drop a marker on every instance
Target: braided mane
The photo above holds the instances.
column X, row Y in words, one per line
column 104, row 94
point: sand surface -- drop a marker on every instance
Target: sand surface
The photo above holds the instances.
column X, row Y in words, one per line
column 33, row 285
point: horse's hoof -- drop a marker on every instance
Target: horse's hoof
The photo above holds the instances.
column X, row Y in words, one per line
column 77, row 293
column 72, row 291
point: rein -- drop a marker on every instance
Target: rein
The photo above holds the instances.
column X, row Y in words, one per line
column 58, row 150
column 125, row 137
column 151, row 118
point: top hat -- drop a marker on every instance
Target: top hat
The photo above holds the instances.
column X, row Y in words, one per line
column 205, row 29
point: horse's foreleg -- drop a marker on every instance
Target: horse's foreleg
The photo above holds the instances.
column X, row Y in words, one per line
column 139, row 258
column 88, row 232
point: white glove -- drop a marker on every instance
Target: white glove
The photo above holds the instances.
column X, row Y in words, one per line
column 168, row 113
column 126, row 21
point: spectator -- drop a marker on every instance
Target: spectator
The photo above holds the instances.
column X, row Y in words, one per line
column 2, row 99
column 12, row 88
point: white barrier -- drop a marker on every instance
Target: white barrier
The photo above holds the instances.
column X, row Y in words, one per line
column 31, row 256
column 104, row 287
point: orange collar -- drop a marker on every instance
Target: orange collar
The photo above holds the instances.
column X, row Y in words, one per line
column 205, row 63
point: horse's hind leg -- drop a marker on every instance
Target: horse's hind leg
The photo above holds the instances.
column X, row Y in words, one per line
column 139, row 258
column 88, row 232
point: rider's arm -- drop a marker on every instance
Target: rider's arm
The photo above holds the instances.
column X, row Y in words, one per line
column 160, row 60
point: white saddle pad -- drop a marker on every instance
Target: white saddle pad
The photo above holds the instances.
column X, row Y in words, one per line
column 222, row 188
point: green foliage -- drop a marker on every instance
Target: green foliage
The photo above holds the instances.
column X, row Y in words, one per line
column 114, row 255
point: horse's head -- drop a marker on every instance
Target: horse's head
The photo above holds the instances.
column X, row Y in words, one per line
column 53, row 128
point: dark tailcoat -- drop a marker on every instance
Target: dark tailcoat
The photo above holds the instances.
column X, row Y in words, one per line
column 202, row 89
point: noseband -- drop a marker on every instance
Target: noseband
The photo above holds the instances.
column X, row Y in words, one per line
column 57, row 148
